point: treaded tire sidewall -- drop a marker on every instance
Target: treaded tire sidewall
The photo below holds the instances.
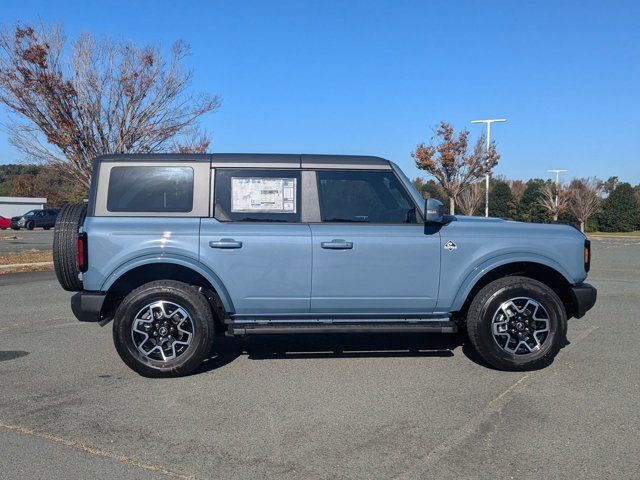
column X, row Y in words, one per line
column 485, row 304
column 65, row 247
column 186, row 296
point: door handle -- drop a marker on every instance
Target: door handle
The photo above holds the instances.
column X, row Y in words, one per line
column 337, row 245
column 225, row 243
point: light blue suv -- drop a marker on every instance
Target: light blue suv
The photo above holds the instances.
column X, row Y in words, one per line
column 178, row 248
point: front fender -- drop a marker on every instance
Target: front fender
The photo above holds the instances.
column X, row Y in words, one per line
column 175, row 259
column 474, row 274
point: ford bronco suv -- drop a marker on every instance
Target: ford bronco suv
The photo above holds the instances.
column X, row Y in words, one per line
column 177, row 249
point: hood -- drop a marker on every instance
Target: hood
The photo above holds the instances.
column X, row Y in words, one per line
column 499, row 226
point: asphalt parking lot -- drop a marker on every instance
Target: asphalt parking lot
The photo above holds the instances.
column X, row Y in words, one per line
column 339, row 407
column 12, row 241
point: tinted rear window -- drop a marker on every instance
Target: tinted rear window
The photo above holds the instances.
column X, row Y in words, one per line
column 150, row 189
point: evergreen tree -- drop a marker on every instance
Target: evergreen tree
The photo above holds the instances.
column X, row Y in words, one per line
column 530, row 209
column 500, row 200
column 432, row 189
column 619, row 211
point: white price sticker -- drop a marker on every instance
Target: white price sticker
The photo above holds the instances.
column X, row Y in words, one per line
column 263, row 194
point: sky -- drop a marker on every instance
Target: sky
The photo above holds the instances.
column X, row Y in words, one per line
column 375, row 77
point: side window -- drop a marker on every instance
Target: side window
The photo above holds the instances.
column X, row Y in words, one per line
column 150, row 189
column 364, row 197
column 243, row 195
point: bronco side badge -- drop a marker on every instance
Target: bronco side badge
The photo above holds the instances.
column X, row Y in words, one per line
column 450, row 246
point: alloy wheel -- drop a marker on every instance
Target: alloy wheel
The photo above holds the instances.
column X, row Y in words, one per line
column 520, row 326
column 162, row 330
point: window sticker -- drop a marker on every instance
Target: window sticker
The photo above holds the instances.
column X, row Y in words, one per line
column 263, row 194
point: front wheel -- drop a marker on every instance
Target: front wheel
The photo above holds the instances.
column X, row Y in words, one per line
column 30, row 225
column 517, row 323
column 163, row 329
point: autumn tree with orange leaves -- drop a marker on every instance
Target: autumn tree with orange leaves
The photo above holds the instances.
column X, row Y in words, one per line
column 69, row 105
column 450, row 161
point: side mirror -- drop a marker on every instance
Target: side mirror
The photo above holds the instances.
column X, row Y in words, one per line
column 433, row 211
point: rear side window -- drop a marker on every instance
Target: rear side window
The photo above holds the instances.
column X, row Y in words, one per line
column 150, row 189
column 244, row 195
column 364, row 197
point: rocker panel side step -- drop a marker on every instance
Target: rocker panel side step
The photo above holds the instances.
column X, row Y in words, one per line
column 317, row 327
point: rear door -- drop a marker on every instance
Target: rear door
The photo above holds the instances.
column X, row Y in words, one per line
column 50, row 218
column 256, row 241
column 371, row 251
column 40, row 218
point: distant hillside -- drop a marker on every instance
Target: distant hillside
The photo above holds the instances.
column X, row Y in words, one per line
column 39, row 181
column 10, row 171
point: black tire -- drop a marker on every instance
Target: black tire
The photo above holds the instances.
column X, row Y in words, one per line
column 30, row 225
column 486, row 304
column 187, row 297
column 65, row 247
column 47, row 228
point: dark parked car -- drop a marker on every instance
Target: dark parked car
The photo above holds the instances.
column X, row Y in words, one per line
column 35, row 219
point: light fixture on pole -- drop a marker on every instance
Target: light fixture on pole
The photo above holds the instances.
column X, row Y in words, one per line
column 557, row 171
column 486, row 192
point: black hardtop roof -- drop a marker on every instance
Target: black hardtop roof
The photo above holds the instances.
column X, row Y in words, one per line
column 236, row 159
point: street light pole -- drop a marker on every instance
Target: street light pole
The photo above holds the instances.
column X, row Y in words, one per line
column 486, row 178
column 557, row 172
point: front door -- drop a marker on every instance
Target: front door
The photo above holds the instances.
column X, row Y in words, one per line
column 256, row 243
column 371, row 253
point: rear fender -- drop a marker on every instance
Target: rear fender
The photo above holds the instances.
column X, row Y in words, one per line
column 183, row 261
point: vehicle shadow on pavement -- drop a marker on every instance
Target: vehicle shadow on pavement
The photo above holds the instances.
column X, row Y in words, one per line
column 321, row 346
column 12, row 354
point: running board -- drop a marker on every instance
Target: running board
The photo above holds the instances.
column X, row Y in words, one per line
column 317, row 327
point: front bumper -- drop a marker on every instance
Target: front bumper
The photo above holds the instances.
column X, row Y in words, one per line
column 584, row 297
column 87, row 306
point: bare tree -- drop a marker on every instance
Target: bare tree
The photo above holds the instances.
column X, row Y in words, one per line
column 451, row 162
column 555, row 200
column 469, row 199
column 69, row 105
column 585, row 199
column 517, row 190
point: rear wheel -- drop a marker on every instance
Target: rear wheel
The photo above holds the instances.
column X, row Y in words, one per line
column 517, row 323
column 65, row 245
column 163, row 329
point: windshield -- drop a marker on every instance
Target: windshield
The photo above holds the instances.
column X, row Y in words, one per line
column 30, row 213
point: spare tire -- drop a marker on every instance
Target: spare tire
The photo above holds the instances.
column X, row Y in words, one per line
column 65, row 245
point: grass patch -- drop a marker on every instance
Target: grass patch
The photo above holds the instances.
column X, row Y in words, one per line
column 28, row 257
column 615, row 234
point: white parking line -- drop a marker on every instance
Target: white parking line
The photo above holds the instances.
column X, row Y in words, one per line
column 94, row 451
